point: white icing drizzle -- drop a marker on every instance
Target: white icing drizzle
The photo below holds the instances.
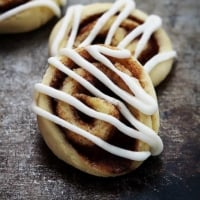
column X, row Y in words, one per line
column 125, row 7
column 158, row 59
column 75, row 25
column 129, row 7
column 62, row 31
column 121, row 106
column 72, row 11
column 102, row 21
column 67, row 98
column 142, row 101
column 144, row 133
column 34, row 3
column 152, row 23
column 138, row 156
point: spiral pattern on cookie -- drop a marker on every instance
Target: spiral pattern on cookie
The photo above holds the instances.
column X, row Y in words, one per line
column 18, row 16
column 96, row 95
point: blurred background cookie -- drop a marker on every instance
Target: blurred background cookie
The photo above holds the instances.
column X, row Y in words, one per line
column 18, row 16
column 97, row 110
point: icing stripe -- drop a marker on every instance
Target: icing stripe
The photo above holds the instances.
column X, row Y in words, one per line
column 96, row 51
column 61, row 33
column 75, row 25
column 47, row 3
column 157, row 147
column 71, row 14
column 144, row 133
column 129, row 7
column 138, row 156
column 102, row 21
column 67, row 98
column 127, row 97
column 158, row 59
column 152, row 23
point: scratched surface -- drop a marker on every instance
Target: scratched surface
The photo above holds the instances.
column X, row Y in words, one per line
column 28, row 169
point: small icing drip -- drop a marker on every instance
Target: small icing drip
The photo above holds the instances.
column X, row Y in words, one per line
column 35, row 3
column 144, row 134
column 130, row 99
column 158, row 59
column 152, row 23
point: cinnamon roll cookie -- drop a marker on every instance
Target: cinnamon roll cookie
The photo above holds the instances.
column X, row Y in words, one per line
column 97, row 110
column 18, row 16
column 119, row 24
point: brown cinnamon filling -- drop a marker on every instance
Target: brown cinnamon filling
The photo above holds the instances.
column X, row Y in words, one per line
column 6, row 5
column 151, row 50
column 128, row 25
column 94, row 154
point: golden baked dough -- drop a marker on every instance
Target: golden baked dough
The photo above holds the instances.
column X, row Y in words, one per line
column 17, row 16
column 75, row 149
column 158, row 43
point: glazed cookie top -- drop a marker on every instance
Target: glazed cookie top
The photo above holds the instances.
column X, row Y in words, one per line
column 124, row 101
column 143, row 32
column 8, row 4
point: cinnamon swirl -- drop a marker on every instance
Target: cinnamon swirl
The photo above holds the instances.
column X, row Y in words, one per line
column 119, row 24
column 97, row 110
column 18, row 16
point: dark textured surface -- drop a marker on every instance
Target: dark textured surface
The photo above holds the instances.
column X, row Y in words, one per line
column 28, row 169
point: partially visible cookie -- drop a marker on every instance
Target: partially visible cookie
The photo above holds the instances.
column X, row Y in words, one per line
column 118, row 24
column 17, row 16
